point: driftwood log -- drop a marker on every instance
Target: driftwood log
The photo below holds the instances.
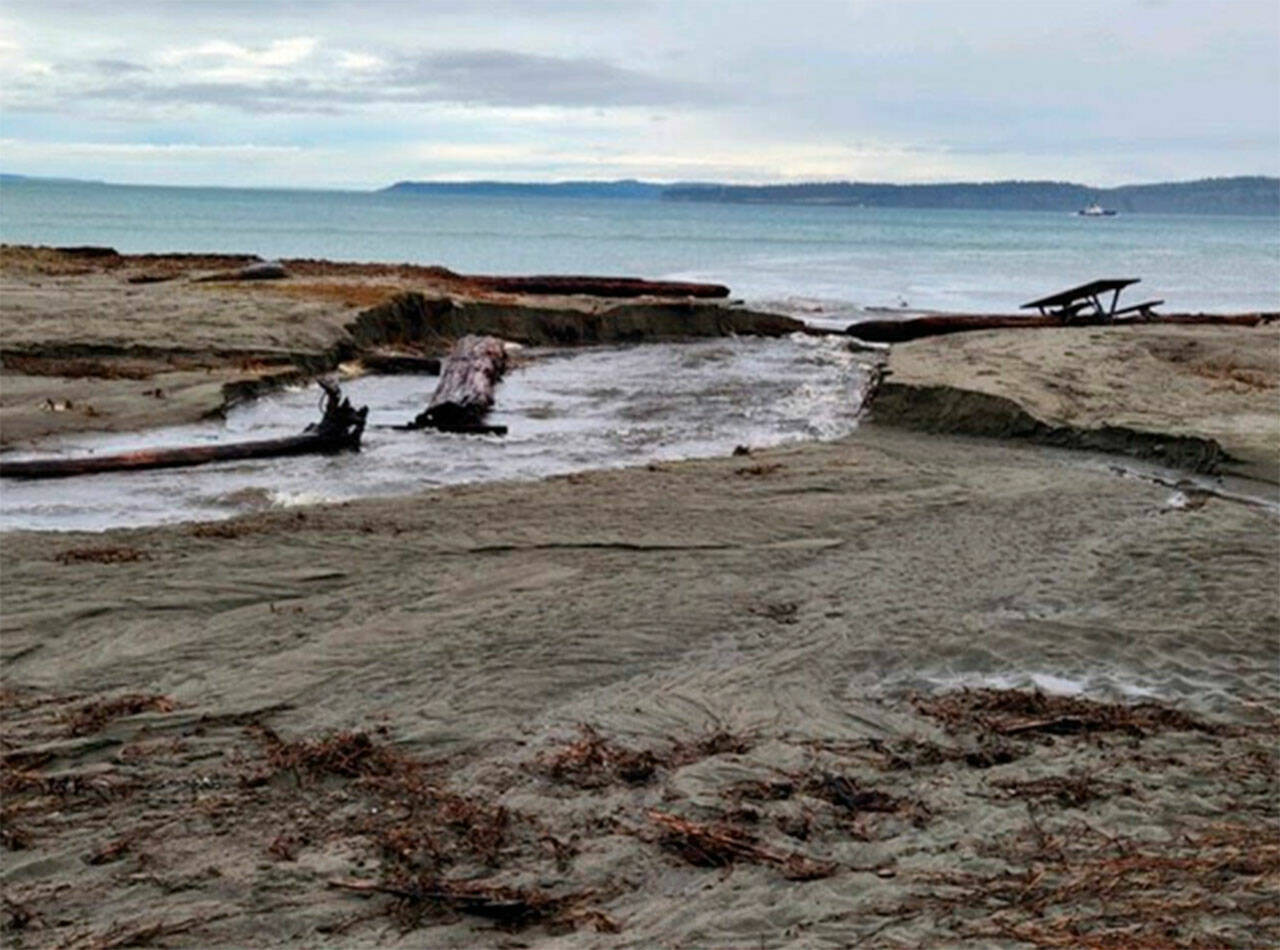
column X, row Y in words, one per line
column 338, row 430
column 915, row 328
column 598, row 286
column 465, row 393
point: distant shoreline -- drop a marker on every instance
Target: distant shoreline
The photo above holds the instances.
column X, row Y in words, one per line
column 1250, row 195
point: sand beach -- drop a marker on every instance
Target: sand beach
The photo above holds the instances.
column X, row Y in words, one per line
column 973, row 675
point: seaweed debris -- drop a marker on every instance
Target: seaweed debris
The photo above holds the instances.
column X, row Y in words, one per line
column 1080, row 888
column 720, row 844
column 1069, row 791
column 1014, row 712
column 109, row 554
column 591, row 761
column 93, row 716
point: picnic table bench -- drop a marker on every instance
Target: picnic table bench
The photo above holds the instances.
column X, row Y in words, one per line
column 1087, row 299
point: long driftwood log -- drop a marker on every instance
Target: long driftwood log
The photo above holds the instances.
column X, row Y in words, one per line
column 338, row 430
column 915, row 328
column 598, row 286
column 465, row 393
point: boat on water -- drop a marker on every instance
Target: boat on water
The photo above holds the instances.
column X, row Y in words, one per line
column 1096, row 210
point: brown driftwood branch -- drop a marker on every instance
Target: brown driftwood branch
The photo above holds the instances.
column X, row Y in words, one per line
column 915, row 328
column 339, row 430
column 464, row 395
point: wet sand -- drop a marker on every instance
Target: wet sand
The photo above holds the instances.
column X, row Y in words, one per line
column 712, row 703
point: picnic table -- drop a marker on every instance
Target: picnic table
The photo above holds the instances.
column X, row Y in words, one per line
column 1087, row 300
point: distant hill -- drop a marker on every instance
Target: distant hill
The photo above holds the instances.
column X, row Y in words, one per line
column 13, row 178
column 1255, row 195
column 1252, row 195
column 561, row 189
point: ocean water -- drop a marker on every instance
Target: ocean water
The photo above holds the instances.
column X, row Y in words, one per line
column 828, row 263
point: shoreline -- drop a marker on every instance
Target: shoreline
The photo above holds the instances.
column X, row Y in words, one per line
column 113, row 374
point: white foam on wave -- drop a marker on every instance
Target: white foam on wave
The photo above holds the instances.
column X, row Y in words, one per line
column 296, row 499
column 1111, row 684
column 1054, row 683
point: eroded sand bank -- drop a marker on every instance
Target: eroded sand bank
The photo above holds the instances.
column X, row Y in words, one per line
column 1216, row 386
column 86, row 349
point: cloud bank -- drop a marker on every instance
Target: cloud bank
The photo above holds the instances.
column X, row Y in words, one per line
column 359, row 94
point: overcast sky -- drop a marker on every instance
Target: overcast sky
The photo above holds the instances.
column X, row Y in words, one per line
column 317, row 94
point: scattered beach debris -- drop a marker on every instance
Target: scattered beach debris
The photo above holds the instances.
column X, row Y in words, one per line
column 339, row 429
column 109, row 554
column 141, row 934
column 93, row 716
column 433, row 842
column 1188, row 499
column 719, row 844
column 1014, row 712
column 151, row 278
column 1075, row 886
column 764, row 468
column 780, row 612
column 852, row 796
column 226, row 530
column 20, row 916
column 592, row 761
column 262, row 270
column 110, row 851
column 345, row 754
column 464, row 395
column 1069, row 791
column 510, row 907
column 421, row 829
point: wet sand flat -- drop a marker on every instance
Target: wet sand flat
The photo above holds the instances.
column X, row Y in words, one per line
column 757, row 626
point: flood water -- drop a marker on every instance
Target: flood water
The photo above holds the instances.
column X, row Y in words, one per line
column 567, row 411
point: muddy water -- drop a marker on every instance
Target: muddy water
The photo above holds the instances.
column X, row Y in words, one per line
column 568, row 410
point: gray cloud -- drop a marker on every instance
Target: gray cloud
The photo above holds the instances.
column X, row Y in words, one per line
column 470, row 77
column 498, row 77
column 117, row 66
column 273, row 96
